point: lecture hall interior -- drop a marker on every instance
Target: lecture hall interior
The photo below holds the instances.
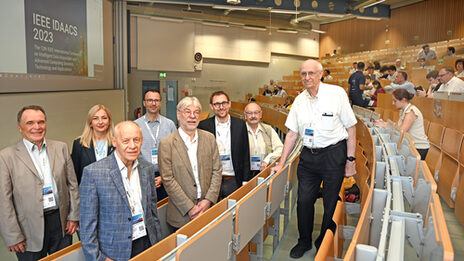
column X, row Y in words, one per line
column 68, row 56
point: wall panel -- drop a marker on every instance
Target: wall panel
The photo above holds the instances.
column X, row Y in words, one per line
column 424, row 22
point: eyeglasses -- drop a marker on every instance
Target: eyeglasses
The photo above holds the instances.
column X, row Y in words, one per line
column 152, row 101
column 441, row 75
column 187, row 113
column 220, row 104
column 310, row 74
column 252, row 112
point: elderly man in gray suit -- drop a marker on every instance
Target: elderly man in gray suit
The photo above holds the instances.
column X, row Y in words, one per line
column 118, row 210
column 39, row 195
column 190, row 166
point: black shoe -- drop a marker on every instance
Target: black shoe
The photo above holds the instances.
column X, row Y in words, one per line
column 299, row 250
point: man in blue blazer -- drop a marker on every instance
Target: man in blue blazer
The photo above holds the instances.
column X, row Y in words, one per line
column 118, row 211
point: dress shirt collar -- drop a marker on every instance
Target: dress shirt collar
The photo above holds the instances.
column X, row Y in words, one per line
column 121, row 165
column 258, row 129
column 158, row 119
column 32, row 147
column 223, row 125
column 186, row 138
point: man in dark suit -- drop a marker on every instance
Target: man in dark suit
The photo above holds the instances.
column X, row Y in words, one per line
column 232, row 140
column 39, row 195
column 118, row 210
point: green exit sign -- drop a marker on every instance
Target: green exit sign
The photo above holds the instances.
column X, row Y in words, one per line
column 162, row 75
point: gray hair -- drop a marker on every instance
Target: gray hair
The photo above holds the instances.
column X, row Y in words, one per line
column 189, row 100
column 124, row 124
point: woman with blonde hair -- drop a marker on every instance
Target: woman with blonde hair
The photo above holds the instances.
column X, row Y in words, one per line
column 95, row 142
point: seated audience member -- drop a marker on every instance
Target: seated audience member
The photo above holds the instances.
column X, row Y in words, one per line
column 450, row 83
column 275, row 91
column 272, row 84
column 288, row 102
column 357, row 83
column 266, row 91
column 118, row 210
column 450, row 52
column 459, row 65
column 434, row 85
column 334, row 53
column 410, row 120
column 401, row 82
column 39, row 195
column 372, row 73
column 265, row 144
column 281, row 92
column 384, row 72
column 392, row 73
column 378, row 89
column 427, row 53
column 232, row 141
column 95, row 141
column 326, row 75
column 190, row 166
column 354, row 68
column 400, row 65
column 369, row 88
column 377, row 66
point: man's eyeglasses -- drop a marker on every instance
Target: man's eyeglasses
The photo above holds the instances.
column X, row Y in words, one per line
column 153, row 101
column 252, row 112
column 310, row 74
column 187, row 113
column 220, row 104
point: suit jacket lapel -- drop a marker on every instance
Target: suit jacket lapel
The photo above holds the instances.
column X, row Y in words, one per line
column 232, row 135
column 24, row 156
column 91, row 152
column 202, row 157
column 143, row 178
column 51, row 151
column 181, row 149
column 115, row 174
column 213, row 125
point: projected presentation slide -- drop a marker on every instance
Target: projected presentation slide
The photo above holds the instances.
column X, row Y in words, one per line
column 51, row 37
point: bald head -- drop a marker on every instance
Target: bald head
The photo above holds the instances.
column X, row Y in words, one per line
column 126, row 125
column 127, row 140
column 311, row 74
column 252, row 114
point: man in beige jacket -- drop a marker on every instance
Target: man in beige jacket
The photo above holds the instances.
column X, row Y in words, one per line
column 190, row 166
column 39, row 195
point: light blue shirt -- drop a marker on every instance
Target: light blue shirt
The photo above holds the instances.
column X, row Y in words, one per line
column 157, row 129
column 406, row 85
column 42, row 165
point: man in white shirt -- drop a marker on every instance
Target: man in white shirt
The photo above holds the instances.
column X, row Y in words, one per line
column 265, row 144
column 39, row 194
column 427, row 53
column 190, row 166
column 450, row 83
column 321, row 115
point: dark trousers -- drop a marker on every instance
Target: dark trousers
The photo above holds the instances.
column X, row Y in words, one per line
column 327, row 166
column 423, row 153
column 160, row 192
column 53, row 239
column 139, row 245
column 357, row 99
column 228, row 186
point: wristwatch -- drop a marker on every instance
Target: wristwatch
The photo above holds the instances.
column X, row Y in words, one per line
column 351, row 158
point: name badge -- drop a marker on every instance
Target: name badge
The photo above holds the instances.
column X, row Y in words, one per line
column 154, row 156
column 226, row 162
column 138, row 227
column 255, row 162
column 308, row 139
column 48, row 198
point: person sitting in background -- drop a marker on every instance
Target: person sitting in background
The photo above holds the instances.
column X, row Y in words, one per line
column 369, row 88
column 266, row 91
column 378, row 89
column 384, row 72
column 410, row 121
column 391, row 73
column 265, row 144
column 450, row 83
column 459, row 65
column 401, row 82
column 372, row 73
column 326, row 75
column 288, row 102
column 450, row 53
column 275, row 91
column 376, row 66
column 426, row 53
column 280, row 92
column 400, row 65
column 354, row 68
column 95, row 141
column 434, row 85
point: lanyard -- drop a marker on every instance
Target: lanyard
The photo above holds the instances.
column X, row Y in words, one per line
column 255, row 141
column 132, row 196
column 149, row 129
column 100, row 151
